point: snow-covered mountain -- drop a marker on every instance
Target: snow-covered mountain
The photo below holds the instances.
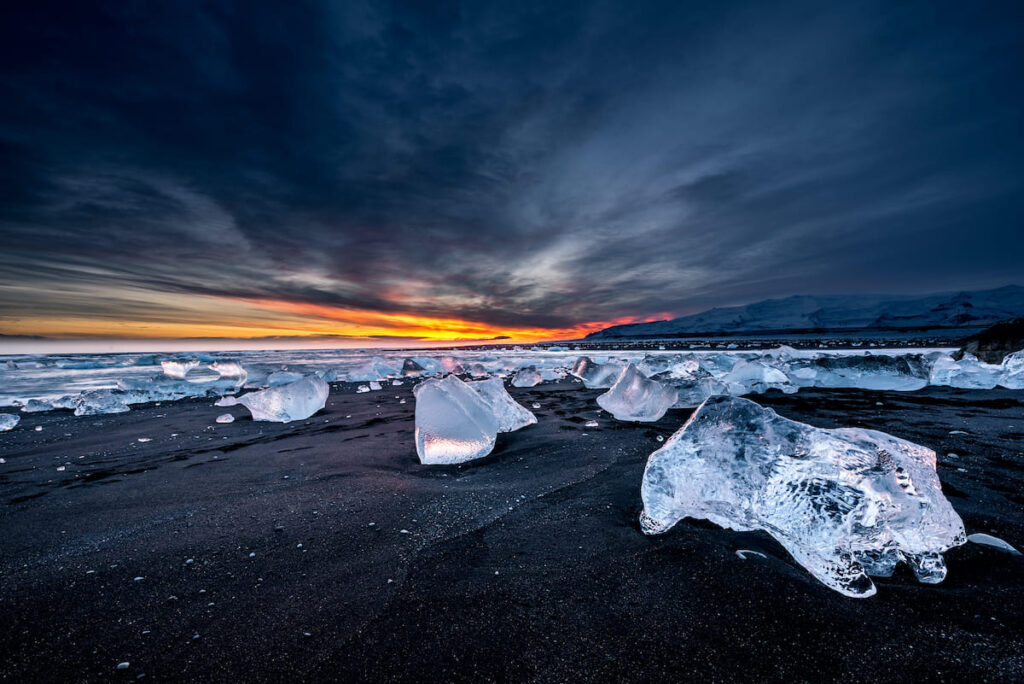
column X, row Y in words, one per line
column 963, row 310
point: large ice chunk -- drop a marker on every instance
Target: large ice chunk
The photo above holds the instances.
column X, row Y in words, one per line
column 374, row 369
column 8, row 421
column 527, row 377
column 845, row 503
column 1012, row 371
column 596, row 375
column 636, row 397
column 867, row 371
column 458, row 421
column 99, row 402
column 282, row 404
column 967, row 373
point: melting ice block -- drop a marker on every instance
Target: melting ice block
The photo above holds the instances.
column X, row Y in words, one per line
column 527, row 377
column 282, row 404
column 458, row 421
column 596, row 375
column 636, row 397
column 8, row 421
column 1012, row 375
column 845, row 503
column 98, row 402
column 967, row 373
column 752, row 376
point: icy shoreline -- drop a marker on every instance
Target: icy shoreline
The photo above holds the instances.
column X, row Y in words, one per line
column 105, row 383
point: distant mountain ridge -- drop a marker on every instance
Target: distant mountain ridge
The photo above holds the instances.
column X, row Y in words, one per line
column 951, row 310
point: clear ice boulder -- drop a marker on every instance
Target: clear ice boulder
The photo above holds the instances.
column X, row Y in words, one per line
column 845, row 503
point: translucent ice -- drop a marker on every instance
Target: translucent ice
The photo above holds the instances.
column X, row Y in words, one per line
column 636, row 397
column 294, row 401
column 596, row 375
column 99, row 402
column 968, row 373
column 845, row 503
column 282, row 377
column 225, row 418
column 754, row 377
column 526, row 377
column 374, row 369
column 458, row 421
column 178, row 369
column 1012, row 371
column 865, row 371
column 8, row 421
column 510, row 415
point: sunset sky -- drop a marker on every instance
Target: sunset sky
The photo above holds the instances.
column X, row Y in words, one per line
column 382, row 171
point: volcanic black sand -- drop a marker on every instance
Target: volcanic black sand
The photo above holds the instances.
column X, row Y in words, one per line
column 323, row 550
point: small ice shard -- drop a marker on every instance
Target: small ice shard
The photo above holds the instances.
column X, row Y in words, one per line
column 8, row 421
column 457, row 422
column 536, row 405
column 225, row 418
column 226, row 401
column 527, row 377
column 635, row 397
column 596, row 375
column 397, row 383
column 591, row 424
column 374, row 385
column 510, row 414
column 362, row 389
column 995, row 542
column 99, row 402
column 178, row 369
column 282, row 377
column 743, row 553
column 845, row 503
column 293, row 401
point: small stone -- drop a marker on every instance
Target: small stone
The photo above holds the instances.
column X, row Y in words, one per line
column 122, row 666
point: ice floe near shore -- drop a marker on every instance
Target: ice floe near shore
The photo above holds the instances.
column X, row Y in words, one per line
column 846, row 503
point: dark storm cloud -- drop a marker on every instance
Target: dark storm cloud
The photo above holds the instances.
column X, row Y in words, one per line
column 518, row 164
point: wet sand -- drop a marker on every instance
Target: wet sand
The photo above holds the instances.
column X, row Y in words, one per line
column 323, row 550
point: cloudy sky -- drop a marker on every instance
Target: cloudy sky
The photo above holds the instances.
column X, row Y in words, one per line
column 444, row 169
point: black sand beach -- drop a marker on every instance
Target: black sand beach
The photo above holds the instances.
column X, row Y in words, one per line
column 322, row 550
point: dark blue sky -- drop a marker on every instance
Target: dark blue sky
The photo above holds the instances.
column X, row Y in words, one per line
column 517, row 165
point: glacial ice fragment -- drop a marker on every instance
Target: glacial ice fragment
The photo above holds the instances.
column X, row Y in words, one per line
column 1012, row 371
column 635, row 397
column 754, row 377
column 282, row 377
column 845, row 503
column 225, row 418
column 458, row 421
column 8, row 421
column 526, row 377
column 596, row 375
column 509, row 413
column 293, row 401
column 98, row 402
column 178, row 369
column 453, row 423
column 967, row 373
